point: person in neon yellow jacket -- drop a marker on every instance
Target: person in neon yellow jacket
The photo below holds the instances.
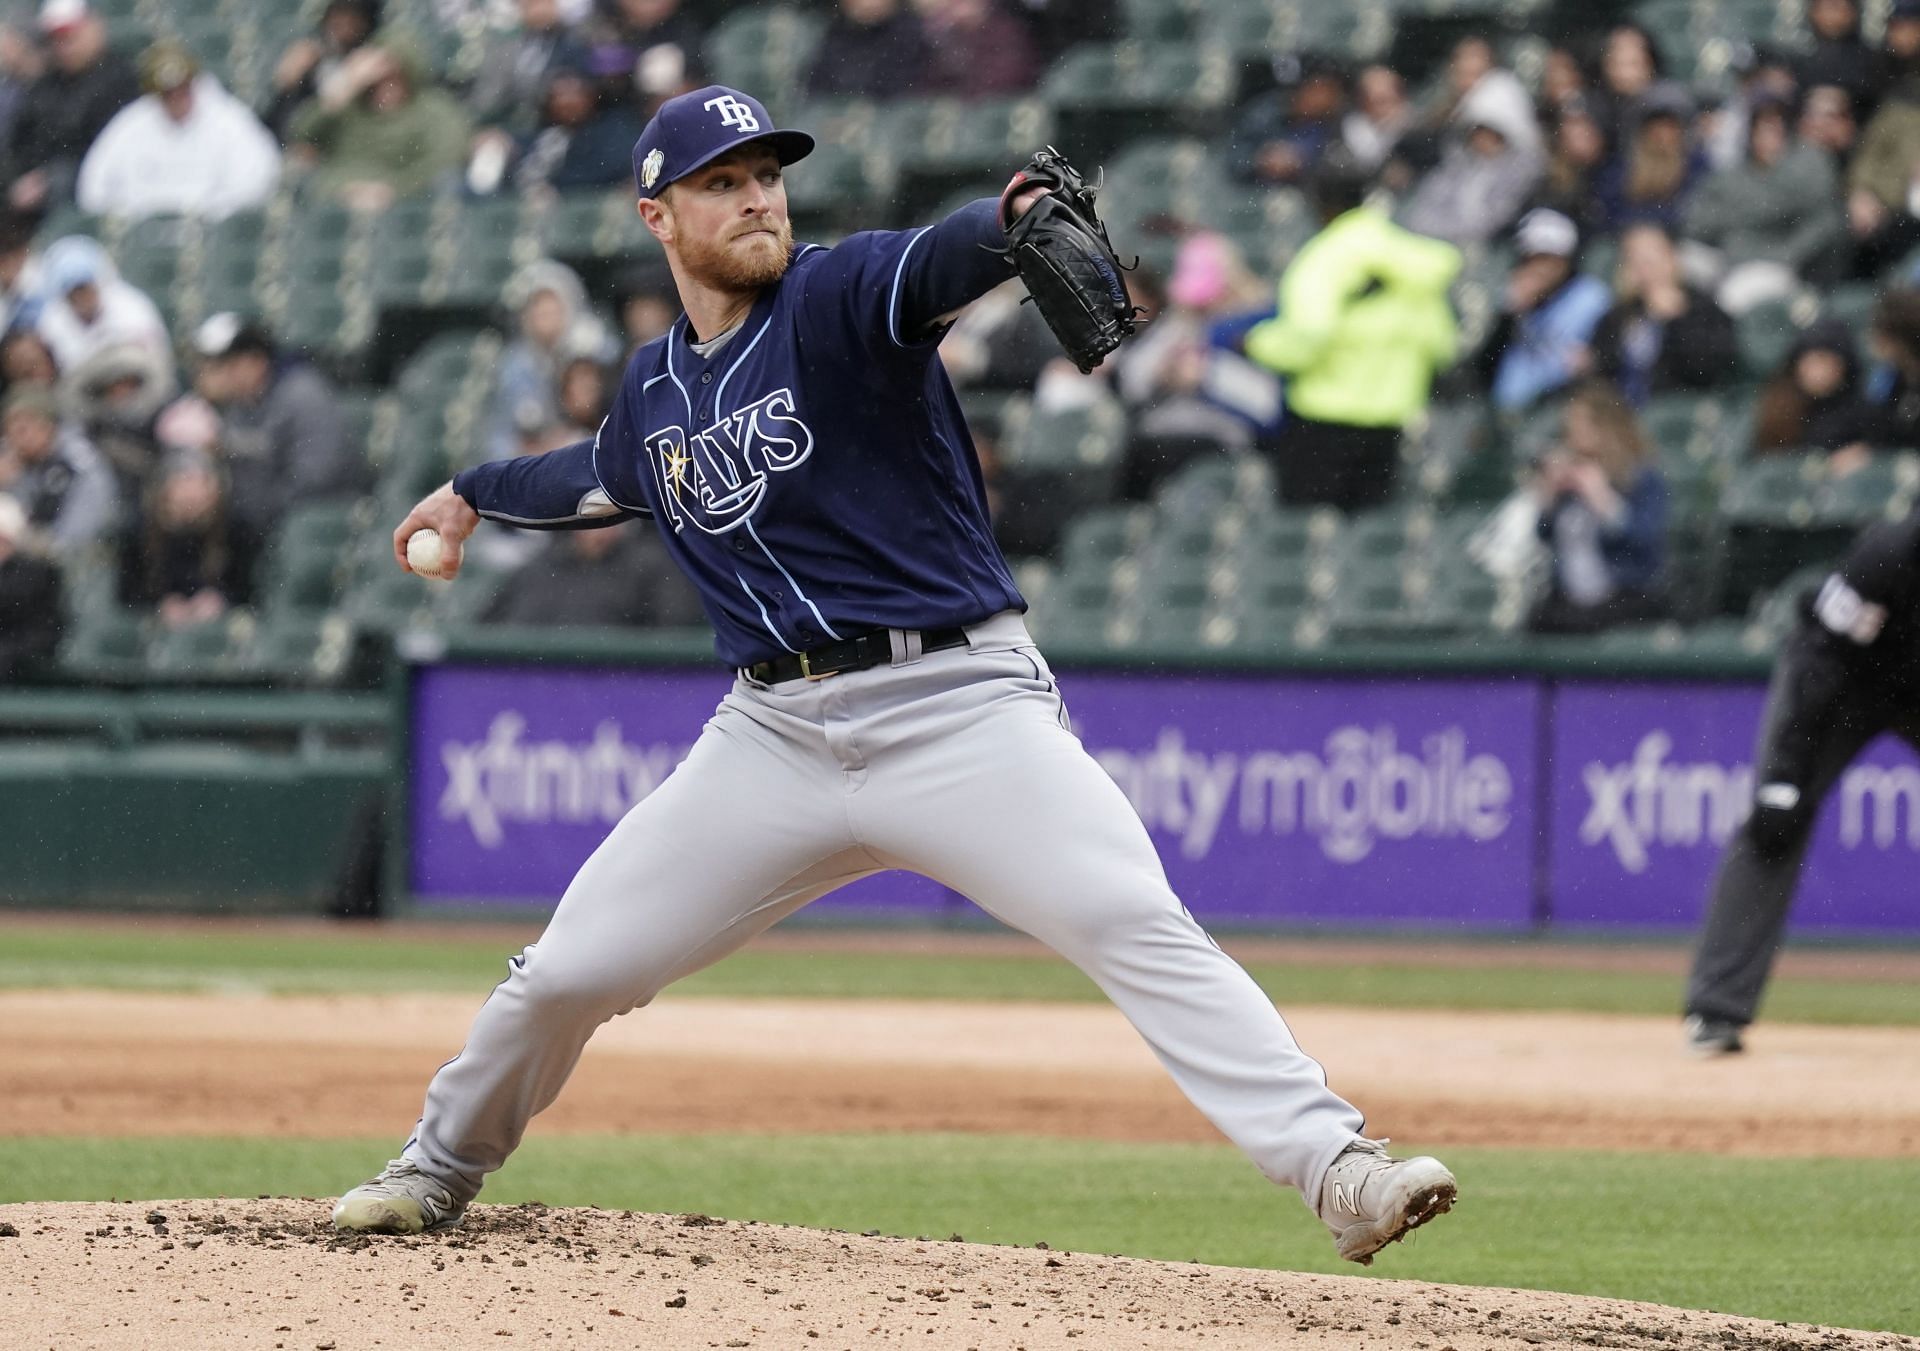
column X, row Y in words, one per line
column 1363, row 327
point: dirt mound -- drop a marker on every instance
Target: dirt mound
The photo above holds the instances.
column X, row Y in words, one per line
column 192, row 1274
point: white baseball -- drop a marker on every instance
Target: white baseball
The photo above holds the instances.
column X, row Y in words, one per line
column 426, row 553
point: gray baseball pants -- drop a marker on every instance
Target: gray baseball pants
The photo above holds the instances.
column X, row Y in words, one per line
column 956, row 764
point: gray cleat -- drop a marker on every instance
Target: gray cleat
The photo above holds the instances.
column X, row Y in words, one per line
column 402, row 1200
column 1371, row 1199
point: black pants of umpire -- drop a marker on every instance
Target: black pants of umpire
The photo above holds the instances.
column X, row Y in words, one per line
column 1330, row 464
column 1810, row 733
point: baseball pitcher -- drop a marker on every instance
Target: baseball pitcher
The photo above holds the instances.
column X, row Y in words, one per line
column 800, row 450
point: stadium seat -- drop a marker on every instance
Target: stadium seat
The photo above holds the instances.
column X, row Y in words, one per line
column 765, row 50
column 838, row 188
column 195, row 653
column 1256, row 29
column 1106, row 95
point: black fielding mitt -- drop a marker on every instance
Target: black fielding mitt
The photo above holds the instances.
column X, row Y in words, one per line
column 1061, row 251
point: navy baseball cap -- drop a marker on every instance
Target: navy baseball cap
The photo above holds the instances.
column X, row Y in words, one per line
column 697, row 128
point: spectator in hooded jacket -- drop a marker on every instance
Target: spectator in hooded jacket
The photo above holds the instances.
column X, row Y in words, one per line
column 380, row 131
column 1774, row 219
column 1603, row 514
column 1541, row 341
column 47, row 466
column 1488, row 172
column 1662, row 333
column 31, row 613
column 1658, row 168
column 555, row 324
column 1812, row 402
column 89, row 308
column 61, row 113
column 1363, row 325
column 186, row 147
column 872, row 49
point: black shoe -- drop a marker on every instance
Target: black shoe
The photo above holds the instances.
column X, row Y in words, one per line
column 1709, row 1037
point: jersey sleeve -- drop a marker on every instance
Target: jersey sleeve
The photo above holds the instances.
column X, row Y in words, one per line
column 559, row 490
column 883, row 291
column 1875, row 579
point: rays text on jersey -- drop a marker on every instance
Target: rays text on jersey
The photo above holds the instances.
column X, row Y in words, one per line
column 716, row 479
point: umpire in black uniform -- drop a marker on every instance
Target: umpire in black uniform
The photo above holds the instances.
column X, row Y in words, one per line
column 1849, row 671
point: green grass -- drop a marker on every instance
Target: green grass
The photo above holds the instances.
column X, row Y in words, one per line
column 1807, row 1240
column 368, row 961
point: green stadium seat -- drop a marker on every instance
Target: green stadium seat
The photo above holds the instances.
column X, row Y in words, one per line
column 1451, row 454
column 1098, row 540
column 766, row 50
column 838, row 187
column 1105, row 96
column 103, row 647
column 298, row 648
column 200, row 652
column 1256, row 29
column 1767, row 332
column 1163, row 20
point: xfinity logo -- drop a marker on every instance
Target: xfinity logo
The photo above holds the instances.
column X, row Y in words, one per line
column 1647, row 801
column 504, row 780
column 1650, row 802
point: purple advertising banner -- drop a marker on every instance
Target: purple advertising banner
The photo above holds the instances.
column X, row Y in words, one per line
column 1650, row 780
column 1270, row 800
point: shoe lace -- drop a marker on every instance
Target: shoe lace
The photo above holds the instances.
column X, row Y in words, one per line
column 400, row 1171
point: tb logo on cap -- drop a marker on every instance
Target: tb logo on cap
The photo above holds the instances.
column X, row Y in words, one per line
column 734, row 113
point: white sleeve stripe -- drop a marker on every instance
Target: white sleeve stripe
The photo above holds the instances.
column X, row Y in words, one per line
column 893, row 299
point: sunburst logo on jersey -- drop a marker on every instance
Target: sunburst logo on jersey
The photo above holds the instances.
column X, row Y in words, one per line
column 650, row 168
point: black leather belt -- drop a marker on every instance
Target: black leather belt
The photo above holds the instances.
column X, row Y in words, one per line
column 850, row 654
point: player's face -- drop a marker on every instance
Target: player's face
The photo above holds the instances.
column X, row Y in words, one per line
column 729, row 221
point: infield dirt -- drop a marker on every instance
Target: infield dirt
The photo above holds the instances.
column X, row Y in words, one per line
column 94, row 1063
column 189, row 1274
column 173, row 1275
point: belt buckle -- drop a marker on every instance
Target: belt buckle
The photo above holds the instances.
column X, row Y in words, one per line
column 807, row 671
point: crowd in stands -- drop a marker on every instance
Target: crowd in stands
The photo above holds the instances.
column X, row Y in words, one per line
column 1643, row 217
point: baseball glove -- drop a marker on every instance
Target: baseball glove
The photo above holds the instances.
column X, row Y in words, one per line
column 1061, row 251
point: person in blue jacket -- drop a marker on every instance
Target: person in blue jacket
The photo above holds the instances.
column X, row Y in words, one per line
column 1603, row 514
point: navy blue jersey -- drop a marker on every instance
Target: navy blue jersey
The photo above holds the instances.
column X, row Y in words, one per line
column 814, row 478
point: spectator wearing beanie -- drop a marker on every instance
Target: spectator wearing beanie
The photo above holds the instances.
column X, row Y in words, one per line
column 1658, row 167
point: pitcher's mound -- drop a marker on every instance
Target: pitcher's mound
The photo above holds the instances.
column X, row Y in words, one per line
column 272, row 1273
